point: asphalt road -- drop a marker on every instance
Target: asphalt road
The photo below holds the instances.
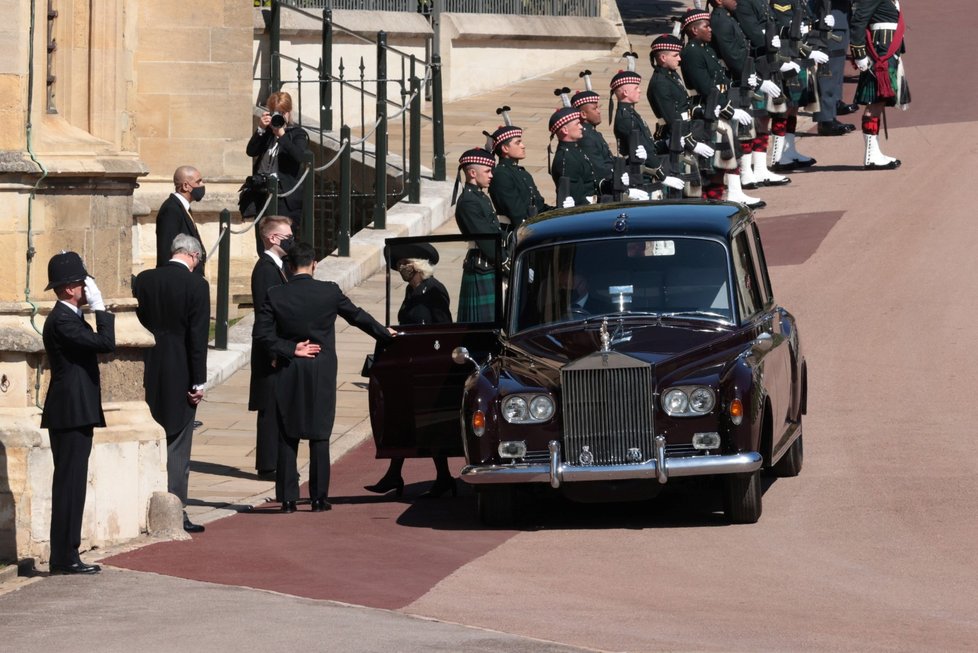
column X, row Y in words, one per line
column 870, row 548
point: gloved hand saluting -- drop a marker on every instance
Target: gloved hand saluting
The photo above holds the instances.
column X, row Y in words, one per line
column 818, row 57
column 568, row 202
column 742, row 117
column 93, row 295
column 674, row 182
column 640, row 153
column 704, row 150
column 770, row 88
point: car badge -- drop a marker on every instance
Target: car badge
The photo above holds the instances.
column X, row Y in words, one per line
column 605, row 337
column 437, row 345
column 634, row 455
column 586, row 458
column 621, row 222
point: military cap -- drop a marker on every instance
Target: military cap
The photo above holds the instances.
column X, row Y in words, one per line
column 693, row 15
column 476, row 155
column 563, row 116
column 666, row 43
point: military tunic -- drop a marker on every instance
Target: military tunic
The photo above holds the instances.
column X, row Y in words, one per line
column 514, row 193
column 865, row 15
column 571, row 162
column 729, row 42
column 703, row 74
column 477, row 296
column 597, row 150
column 752, row 15
column 626, row 120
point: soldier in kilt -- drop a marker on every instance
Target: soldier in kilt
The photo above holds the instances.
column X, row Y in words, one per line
column 876, row 42
column 512, row 189
column 751, row 15
column 804, row 93
column 593, row 143
column 474, row 215
column 705, row 76
column 670, row 101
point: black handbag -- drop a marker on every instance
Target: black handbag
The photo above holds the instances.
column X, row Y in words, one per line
column 368, row 362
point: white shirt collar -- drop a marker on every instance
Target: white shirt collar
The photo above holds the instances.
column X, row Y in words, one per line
column 183, row 200
column 74, row 309
column 183, row 263
column 275, row 257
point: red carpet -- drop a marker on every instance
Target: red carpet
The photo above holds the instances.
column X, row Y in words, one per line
column 369, row 550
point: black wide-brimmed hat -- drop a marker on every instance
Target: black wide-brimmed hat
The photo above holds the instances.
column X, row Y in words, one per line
column 65, row 268
column 412, row 250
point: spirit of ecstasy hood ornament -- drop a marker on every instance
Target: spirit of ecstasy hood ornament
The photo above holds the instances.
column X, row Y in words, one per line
column 605, row 337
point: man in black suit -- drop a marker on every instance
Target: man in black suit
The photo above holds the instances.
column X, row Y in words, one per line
column 174, row 304
column 174, row 216
column 73, row 406
column 296, row 324
column 276, row 235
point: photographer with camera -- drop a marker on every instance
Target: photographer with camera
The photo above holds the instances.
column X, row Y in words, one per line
column 277, row 149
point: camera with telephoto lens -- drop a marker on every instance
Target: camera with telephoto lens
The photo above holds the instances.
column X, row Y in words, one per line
column 258, row 182
column 278, row 120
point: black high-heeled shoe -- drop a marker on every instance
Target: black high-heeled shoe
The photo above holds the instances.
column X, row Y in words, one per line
column 440, row 487
column 385, row 485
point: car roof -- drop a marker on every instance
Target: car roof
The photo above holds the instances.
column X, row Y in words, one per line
column 623, row 219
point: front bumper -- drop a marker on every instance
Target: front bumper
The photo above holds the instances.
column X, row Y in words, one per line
column 660, row 468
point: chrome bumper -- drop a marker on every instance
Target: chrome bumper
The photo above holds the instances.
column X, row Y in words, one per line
column 660, row 468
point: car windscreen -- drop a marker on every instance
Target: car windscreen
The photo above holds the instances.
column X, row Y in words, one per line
column 674, row 276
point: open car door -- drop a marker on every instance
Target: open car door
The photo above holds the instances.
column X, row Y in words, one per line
column 415, row 388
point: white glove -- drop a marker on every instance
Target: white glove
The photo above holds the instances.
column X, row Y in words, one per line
column 829, row 20
column 625, row 179
column 568, row 202
column 818, row 57
column 703, row 150
column 640, row 153
column 863, row 64
column 805, row 29
column 674, row 182
column 742, row 117
column 716, row 111
column 637, row 194
column 753, row 80
column 93, row 295
column 788, row 66
column 591, row 199
column 770, row 88
column 775, row 41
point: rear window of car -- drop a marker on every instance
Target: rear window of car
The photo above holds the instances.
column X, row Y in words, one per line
column 650, row 276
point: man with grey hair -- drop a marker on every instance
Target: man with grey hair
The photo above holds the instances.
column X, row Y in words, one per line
column 175, row 217
column 174, row 304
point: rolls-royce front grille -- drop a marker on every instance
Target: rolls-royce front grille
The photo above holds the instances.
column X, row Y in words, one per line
column 607, row 411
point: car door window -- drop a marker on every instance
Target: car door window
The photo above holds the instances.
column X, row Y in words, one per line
column 748, row 290
column 761, row 262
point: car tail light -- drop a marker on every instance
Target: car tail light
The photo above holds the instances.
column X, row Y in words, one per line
column 479, row 423
column 736, row 412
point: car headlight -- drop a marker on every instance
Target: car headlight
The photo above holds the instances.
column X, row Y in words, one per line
column 526, row 409
column 688, row 401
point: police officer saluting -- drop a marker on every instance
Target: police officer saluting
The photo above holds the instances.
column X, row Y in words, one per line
column 73, row 406
column 512, row 189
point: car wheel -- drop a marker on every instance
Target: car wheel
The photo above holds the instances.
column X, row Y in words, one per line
column 497, row 506
column 791, row 461
column 742, row 497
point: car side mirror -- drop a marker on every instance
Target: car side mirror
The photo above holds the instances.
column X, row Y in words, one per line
column 460, row 355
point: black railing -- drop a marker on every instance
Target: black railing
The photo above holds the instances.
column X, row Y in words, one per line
column 585, row 8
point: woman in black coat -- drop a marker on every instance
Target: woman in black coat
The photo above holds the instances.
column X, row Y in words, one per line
column 277, row 148
column 426, row 301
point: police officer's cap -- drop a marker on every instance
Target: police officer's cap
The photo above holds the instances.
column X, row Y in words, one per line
column 65, row 268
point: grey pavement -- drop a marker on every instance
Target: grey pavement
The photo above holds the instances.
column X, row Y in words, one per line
column 129, row 611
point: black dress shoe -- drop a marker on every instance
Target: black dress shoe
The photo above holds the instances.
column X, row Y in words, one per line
column 440, row 487
column 844, row 108
column 848, row 125
column 288, row 506
column 191, row 527
column 75, row 568
column 386, row 484
column 832, row 128
column 321, row 505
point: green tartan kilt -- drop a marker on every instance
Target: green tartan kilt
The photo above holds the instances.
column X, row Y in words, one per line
column 866, row 87
column 477, row 297
column 804, row 93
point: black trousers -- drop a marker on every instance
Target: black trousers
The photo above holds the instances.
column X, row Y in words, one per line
column 178, row 447
column 287, row 473
column 830, row 88
column 70, row 449
column 266, row 428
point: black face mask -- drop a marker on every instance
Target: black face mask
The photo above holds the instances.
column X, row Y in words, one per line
column 287, row 243
column 197, row 193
